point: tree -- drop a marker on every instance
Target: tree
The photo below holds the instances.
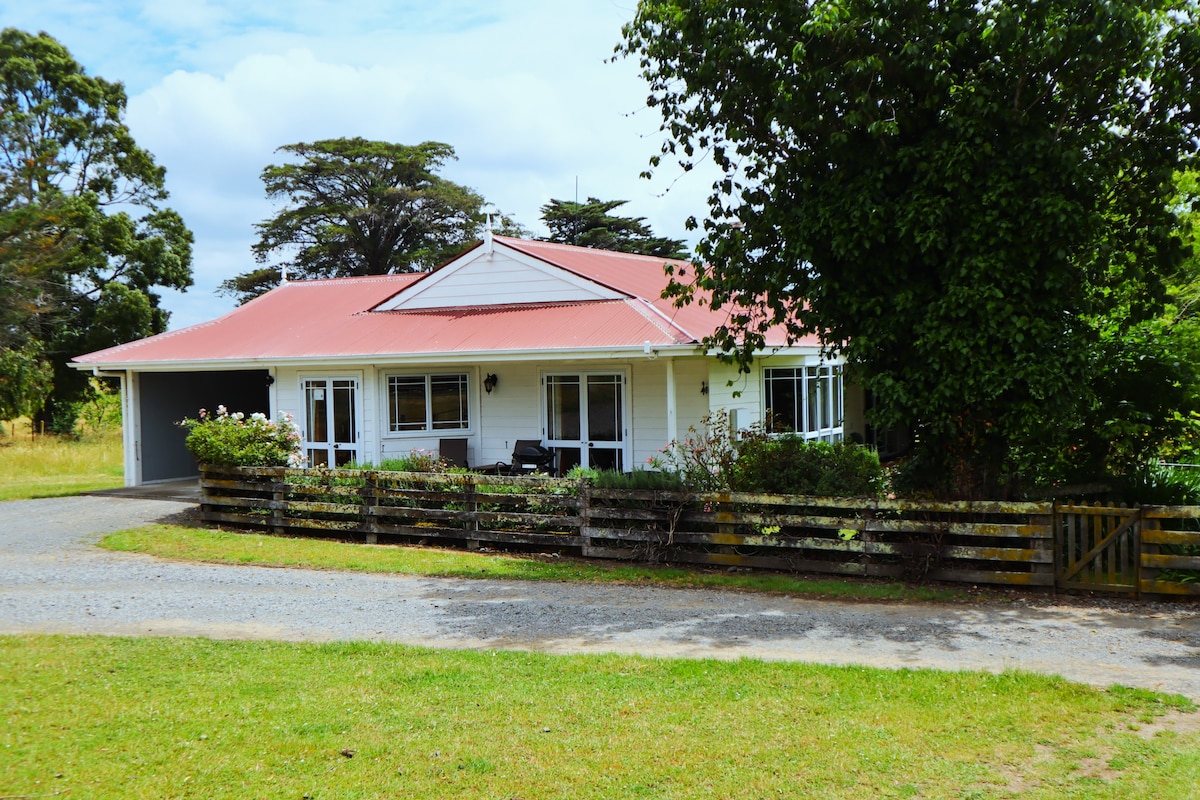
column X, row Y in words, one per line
column 83, row 237
column 969, row 200
column 25, row 380
column 359, row 207
column 591, row 225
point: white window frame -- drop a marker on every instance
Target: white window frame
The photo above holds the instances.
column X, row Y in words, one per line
column 427, row 429
column 831, row 413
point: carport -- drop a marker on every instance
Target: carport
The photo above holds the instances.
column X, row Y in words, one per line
column 154, row 442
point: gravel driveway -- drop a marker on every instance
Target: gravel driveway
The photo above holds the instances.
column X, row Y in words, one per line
column 53, row 579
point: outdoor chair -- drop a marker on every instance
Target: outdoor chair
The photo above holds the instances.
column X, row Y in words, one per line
column 454, row 451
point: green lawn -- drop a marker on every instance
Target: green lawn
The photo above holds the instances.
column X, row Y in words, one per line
column 198, row 544
column 171, row 718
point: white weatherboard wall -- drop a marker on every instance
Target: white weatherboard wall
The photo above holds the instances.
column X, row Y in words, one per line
column 497, row 279
column 511, row 412
column 737, row 392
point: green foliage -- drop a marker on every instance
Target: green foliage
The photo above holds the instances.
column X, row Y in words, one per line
column 226, row 439
column 25, row 380
column 704, row 459
column 791, row 465
column 972, row 202
column 1162, row 484
column 639, row 480
column 103, row 410
column 591, row 225
column 84, row 243
column 421, row 460
column 715, row 458
column 359, row 207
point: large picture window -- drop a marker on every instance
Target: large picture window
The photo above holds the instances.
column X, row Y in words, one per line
column 805, row 400
column 427, row 403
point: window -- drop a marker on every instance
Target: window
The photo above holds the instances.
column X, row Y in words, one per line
column 806, row 400
column 427, row 403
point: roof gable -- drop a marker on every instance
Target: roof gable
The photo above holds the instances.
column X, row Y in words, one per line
column 496, row 274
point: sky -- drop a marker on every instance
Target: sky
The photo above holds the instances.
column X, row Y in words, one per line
column 526, row 92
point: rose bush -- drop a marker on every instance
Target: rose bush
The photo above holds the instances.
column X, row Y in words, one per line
column 236, row 440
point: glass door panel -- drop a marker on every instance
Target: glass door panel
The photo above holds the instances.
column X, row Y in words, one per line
column 605, row 421
column 562, row 407
column 585, row 420
column 331, row 421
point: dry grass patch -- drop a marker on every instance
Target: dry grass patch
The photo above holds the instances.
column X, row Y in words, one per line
column 52, row 466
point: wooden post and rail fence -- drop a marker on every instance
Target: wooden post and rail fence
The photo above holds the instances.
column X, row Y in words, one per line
column 1050, row 545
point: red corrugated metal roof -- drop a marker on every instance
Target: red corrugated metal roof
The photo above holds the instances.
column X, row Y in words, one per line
column 332, row 318
column 639, row 276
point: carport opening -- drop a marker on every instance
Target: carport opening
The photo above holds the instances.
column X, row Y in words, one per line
column 168, row 397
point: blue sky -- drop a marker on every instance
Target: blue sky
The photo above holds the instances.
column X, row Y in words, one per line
column 520, row 88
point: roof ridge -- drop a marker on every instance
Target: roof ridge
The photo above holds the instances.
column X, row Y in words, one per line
column 536, row 243
column 395, row 276
column 657, row 318
column 498, row 306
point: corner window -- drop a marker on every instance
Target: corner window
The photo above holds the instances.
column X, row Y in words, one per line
column 427, row 403
column 805, row 400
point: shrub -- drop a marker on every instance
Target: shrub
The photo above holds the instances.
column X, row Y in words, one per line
column 1162, row 484
column 235, row 440
column 793, row 465
column 417, row 461
column 716, row 458
column 704, row 459
column 639, row 480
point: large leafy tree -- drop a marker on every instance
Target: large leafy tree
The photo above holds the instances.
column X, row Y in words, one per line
column 970, row 200
column 359, row 207
column 84, row 239
column 592, row 224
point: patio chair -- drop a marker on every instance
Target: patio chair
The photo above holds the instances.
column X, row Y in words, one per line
column 454, row 451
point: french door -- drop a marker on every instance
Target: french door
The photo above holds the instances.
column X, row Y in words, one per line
column 331, row 421
column 585, row 420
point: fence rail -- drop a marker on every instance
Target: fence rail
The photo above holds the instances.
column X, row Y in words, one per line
column 1152, row 549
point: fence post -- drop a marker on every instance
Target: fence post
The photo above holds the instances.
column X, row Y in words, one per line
column 1042, row 526
column 1057, row 539
column 585, row 512
column 471, row 509
column 370, row 498
column 279, row 500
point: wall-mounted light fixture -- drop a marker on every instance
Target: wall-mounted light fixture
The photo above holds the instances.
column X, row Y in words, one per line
column 490, row 382
column 270, row 379
column 704, row 387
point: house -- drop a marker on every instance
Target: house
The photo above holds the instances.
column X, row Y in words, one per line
column 511, row 340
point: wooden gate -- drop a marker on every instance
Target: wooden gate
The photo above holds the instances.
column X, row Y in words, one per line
column 1098, row 547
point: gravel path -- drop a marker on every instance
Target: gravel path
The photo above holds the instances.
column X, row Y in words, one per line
column 52, row 579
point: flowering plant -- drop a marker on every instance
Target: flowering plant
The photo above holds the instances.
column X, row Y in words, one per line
column 705, row 458
column 227, row 439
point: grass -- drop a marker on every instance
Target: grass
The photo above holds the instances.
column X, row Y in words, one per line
column 225, row 547
column 173, row 718
column 50, row 466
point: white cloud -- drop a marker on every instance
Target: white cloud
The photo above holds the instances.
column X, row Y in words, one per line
column 520, row 88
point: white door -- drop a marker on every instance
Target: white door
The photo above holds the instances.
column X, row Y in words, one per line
column 585, row 420
column 331, row 423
